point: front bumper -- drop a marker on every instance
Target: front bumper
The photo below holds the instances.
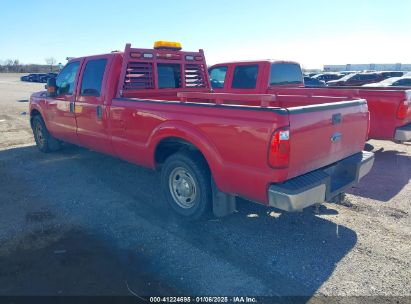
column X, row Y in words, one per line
column 320, row 185
column 403, row 133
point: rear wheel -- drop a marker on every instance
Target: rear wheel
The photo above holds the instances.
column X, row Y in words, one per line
column 44, row 141
column 186, row 183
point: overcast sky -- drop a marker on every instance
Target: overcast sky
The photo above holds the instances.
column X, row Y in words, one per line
column 311, row 32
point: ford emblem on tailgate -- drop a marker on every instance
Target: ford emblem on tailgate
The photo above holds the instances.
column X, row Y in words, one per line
column 336, row 137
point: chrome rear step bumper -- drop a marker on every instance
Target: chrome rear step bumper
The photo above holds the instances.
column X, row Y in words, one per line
column 320, row 185
column 403, row 133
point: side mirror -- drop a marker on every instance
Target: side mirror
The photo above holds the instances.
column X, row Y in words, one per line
column 51, row 87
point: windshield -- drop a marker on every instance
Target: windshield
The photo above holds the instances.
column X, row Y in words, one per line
column 285, row 73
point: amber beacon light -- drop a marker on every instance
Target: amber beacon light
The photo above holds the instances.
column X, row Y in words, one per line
column 168, row 45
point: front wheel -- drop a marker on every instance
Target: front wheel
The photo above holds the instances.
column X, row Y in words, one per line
column 44, row 141
column 186, row 183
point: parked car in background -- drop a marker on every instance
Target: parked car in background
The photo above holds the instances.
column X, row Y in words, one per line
column 38, row 77
column 311, row 82
column 408, row 74
column 328, row 76
column 403, row 82
column 28, row 77
column 389, row 74
column 392, row 82
column 357, row 79
column 347, row 72
column 35, row 77
column 44, row 78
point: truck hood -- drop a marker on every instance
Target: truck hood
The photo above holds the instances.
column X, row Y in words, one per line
column 39, row 94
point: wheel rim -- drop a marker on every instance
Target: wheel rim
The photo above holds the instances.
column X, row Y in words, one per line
column 183, row 187
column 39, row 134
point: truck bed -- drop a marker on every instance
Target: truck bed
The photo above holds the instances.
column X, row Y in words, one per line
column 236, row 136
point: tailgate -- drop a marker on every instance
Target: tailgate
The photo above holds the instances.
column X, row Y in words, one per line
column 323, row 134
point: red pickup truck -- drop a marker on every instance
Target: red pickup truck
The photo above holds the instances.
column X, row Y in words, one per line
column 390, row 108
column 134, row 105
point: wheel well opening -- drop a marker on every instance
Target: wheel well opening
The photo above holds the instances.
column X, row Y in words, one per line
column 169, row 146
column 32, row 114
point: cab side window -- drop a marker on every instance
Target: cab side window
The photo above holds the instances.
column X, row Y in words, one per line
column 217, row 77
column 65, row 80
column 93, row 77
column 245, row 77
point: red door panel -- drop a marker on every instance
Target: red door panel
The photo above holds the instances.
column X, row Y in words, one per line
column 60, row 109
column 90, row 108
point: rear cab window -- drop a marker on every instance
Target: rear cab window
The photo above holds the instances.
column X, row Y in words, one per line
column 285, row 74
column 245, row 77
column 93, row 77
column 169, row 76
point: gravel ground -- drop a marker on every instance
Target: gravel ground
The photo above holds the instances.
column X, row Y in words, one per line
column 78, row 222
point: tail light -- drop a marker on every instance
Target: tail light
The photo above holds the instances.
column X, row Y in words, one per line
column 279, row 152
column 402, row 109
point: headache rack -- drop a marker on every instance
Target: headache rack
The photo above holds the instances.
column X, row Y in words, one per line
column 162, row 71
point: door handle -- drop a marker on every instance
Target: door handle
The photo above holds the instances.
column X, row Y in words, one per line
column 71, row 107
column 99, row 112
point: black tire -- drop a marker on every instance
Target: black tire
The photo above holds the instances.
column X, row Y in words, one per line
column 368, row 147
column 193, row 170
column 44, row 141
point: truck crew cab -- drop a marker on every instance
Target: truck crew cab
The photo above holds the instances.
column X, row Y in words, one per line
column 154, row 108
column 390, row 108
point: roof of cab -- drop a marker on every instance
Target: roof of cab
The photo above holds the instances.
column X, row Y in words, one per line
column 258, row 61
column 96, row 55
